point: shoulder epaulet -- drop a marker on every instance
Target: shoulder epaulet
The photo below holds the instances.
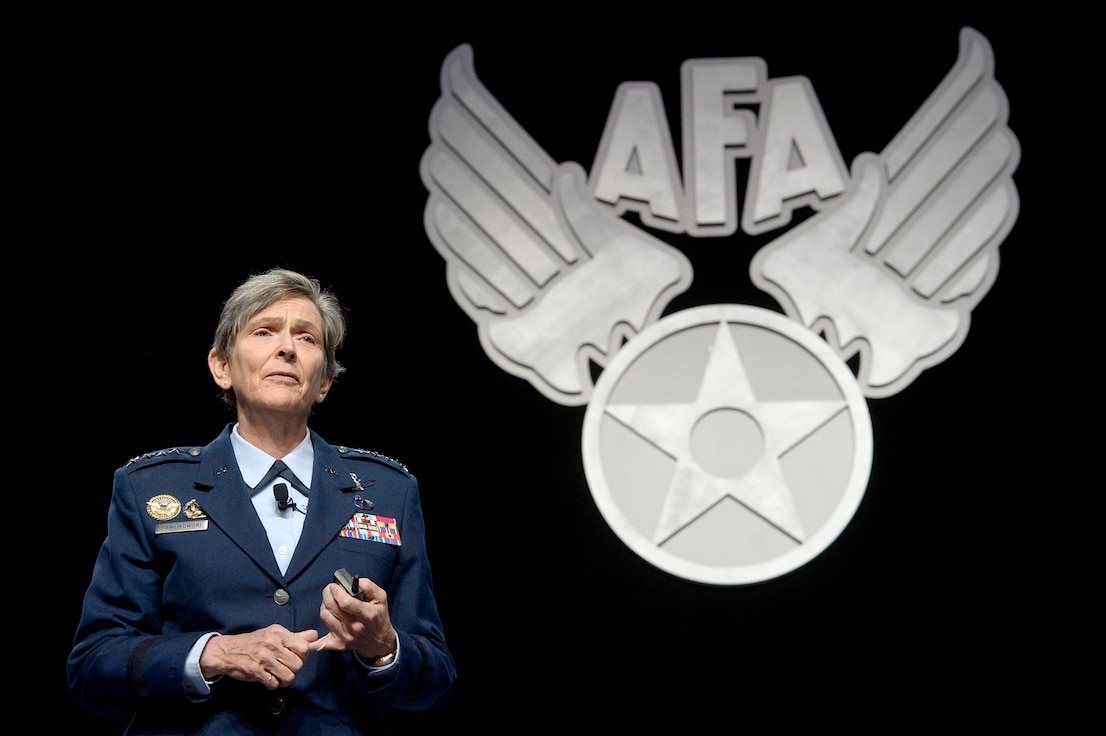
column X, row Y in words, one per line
column 372, row 454
column 168, row 452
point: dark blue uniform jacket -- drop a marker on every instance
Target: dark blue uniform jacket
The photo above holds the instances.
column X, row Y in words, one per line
column 164, row 577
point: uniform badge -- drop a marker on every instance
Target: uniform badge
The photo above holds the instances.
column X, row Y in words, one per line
column 372, row 528
column 193, row 511
column 163, row 507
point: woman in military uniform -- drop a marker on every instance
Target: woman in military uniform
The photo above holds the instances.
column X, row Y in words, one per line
column 219, row 602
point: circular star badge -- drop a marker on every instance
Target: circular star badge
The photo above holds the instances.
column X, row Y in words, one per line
column 727, row 444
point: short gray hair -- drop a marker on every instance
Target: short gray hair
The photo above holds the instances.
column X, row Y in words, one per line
column 258, row 292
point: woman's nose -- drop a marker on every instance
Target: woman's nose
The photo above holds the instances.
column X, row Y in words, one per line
column 287, row 346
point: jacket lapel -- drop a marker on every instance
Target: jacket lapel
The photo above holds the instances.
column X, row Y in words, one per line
column 225, row 498
column 330, row 507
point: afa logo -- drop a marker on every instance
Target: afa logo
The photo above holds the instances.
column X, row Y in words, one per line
column 724, row 443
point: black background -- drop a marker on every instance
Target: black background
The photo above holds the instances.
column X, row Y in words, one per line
column 173, row 158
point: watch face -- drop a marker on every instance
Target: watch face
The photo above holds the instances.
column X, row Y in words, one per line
column 727, row 444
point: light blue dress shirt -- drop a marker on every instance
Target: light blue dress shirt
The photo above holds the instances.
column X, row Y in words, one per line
column 283, row 527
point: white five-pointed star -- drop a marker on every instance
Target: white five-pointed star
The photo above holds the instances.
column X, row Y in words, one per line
column 693, row 490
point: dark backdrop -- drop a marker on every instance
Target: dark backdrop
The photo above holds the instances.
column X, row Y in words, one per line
column 170, row 164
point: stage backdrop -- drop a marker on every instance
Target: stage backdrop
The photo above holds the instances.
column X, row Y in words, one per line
column 602, row 560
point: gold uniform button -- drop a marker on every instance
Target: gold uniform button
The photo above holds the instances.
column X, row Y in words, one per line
column 281, row 596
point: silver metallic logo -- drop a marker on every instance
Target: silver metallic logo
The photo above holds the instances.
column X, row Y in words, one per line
column 726, row 444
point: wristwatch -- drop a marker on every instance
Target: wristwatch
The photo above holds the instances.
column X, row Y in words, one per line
column 384, row 661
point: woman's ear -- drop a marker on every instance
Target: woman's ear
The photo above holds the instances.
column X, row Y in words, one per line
column 324, row 389
column 220, row 369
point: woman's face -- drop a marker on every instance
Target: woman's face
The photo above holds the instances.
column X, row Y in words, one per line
column 278, row 363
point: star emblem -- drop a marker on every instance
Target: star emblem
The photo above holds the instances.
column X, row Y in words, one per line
column 727, row 444
column 727, row 407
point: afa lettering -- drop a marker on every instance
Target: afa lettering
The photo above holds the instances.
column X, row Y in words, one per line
column 730, row 110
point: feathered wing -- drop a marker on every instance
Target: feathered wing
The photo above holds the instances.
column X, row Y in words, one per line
column 893, row 270
column 550, row 278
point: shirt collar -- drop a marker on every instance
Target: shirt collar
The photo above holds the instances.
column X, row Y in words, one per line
column 254, row 463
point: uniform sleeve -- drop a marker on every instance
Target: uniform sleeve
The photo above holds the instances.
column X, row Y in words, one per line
column 425, row 671
column 120, row 657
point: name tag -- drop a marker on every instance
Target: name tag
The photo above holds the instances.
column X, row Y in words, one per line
column 172, row 527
